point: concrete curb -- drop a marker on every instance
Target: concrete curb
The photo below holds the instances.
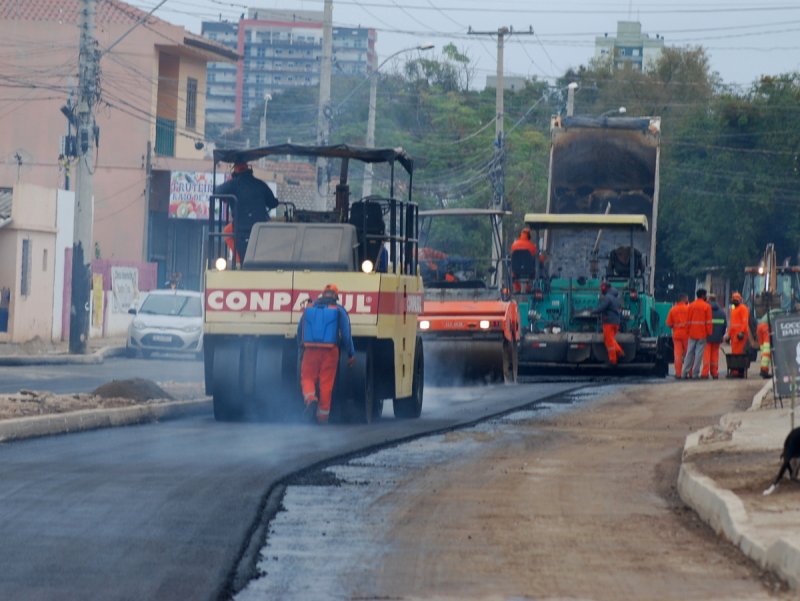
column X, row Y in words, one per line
column 92, row 419
column 726, row 514
column 63, row 359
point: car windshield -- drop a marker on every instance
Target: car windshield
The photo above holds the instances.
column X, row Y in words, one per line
column 169, row 304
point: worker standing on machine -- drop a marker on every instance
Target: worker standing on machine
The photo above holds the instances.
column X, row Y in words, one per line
column 609, row 310
column 525, row 243
column 323, row 327
column 254, row 200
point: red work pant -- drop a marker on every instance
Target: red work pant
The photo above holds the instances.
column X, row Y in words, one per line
column 319, row 364
column 680, row 344
column 613, row 348
column 710, row 360
column 737, row 346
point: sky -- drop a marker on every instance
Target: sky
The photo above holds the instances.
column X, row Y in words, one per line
column 744, row 39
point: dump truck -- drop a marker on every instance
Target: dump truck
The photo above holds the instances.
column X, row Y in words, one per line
column 470, row 322
column 599, row 226
column 253, row 306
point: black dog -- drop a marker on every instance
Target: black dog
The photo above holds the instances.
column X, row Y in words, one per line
column 791, row 452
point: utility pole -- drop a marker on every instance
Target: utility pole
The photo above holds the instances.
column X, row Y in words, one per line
column 84, row 189
column 497, row 170
column 324, row 110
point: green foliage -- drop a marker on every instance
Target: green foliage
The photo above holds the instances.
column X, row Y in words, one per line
column 730, row 160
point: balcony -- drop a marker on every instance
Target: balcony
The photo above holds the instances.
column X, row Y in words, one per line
column 165, row 137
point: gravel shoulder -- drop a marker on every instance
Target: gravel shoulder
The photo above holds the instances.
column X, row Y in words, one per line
column 582, row 505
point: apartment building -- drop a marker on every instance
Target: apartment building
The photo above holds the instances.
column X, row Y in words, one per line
column 279, row 49
column 630, row 48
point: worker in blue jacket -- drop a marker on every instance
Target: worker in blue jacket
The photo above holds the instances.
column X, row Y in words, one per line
column 323, row 328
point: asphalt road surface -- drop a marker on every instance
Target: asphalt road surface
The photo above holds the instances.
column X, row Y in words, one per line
column 164, row 511
column 62, row 379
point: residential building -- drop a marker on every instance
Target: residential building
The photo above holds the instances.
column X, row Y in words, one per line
column 511, row 83
column 630, row 48
column 151, row 120
column 280, row 49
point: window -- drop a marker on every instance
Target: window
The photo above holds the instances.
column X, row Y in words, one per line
column 191, row 103
column 25, row 279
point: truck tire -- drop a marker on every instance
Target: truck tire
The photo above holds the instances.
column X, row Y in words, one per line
column 411, row 407
column 362, row 404
column 269, row 391
column 226, row 387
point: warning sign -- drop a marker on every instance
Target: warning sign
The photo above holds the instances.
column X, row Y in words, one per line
column 786, row 341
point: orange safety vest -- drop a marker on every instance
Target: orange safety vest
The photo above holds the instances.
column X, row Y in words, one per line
column 524, row 244
column 698, row 319
column 677, row 319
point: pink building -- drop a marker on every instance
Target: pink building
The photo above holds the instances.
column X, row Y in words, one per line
column 151, row 119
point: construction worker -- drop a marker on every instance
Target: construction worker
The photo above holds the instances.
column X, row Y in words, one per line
column 609, row 309
column 524, row 242
column 254, row 200
column 323, row 328
column 676, row 319
column 764, row 344
column 739, row 329
column 711, row 353
column 698, row 322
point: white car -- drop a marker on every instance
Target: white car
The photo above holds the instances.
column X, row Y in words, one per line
column 169, row 321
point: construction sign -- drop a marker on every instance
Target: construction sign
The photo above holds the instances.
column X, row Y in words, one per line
column 786, row 345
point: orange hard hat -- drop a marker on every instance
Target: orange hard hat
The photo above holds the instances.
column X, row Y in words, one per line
column 604, row 287
column 525, row 233
column 736, row 296
column 331, row 288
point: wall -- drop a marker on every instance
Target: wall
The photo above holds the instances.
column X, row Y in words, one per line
column 65, row 222
column 33, row 214
column 184, row 144
column 130, row 80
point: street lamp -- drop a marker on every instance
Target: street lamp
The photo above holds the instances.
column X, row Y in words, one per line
column 620, row 111
column 373, row 100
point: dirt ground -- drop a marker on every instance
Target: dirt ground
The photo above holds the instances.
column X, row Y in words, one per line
column 583, row 506
column 118, row 393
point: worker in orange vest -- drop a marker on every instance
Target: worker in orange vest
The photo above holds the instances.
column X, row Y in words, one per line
column 524, row 242
column 323, row 327
column 698, row 321
column 676, row 319
column 764, row 345
column 739, row 328
column 718, row 326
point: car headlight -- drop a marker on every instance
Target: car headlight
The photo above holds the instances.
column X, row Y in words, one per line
column 139, row 325
column 192, row 328
column 484, row 324
column 424, row 324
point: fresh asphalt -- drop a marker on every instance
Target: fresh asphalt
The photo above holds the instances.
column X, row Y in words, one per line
column 165, row 511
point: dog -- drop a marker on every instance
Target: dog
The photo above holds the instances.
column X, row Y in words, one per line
column 791, row 453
